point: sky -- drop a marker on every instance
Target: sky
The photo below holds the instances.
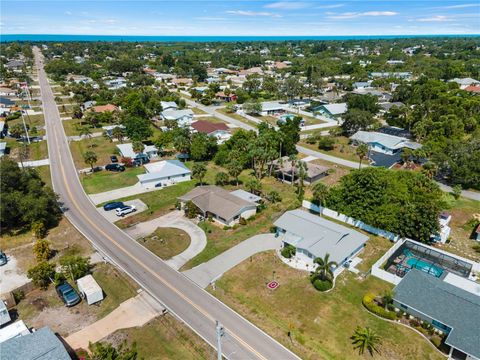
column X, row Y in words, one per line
column 230, row 18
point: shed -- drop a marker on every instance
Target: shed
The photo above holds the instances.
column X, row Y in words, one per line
column 89, row 288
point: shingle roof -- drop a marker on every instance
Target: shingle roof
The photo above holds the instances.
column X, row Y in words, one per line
column 105, row 108
column 176, row 114
column 207, row 127
column 163, row 169
column 217, row 201
column 313, row 169
column 320, row 236
column 452, row 306
column 43, row 344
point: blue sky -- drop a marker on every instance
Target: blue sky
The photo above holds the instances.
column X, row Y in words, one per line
column 267, row 18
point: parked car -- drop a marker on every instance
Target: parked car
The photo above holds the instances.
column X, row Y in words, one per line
column 3, row 258
column 115, row 167
column 68, row 294
column 113, row 159
column 125, row 210
column 113, row 205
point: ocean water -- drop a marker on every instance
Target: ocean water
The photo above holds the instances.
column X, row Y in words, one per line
column 205, row 39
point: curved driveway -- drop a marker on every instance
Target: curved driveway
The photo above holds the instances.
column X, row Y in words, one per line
column 191, row 304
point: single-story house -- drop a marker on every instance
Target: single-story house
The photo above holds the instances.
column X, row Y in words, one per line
column 362, row 85
column 42, row 344
column 399, row 75
column 88, row 104
column 104, row 108
column 248, row 196
column 182, row 117
column 465, row 82
column 223, row 206
column 475, row 89
column 5, row 91
column 383, row 143
column 333, row 111
column 272, row 108
column 116, row 84
column 109, row 129
column 224, row 97
column 164, row 173
column 3, row 148
column 218, row 130
column 381, row 95
column 448, row 308
column 149, row 152
column 386, row 106
column 15, row 64
column 182, row 81
column 314, row 237
column 300, row 103
column 169, row 105
column 286, row 172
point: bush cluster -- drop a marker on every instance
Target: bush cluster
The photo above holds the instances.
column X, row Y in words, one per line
column 322, row 285
column 368, row 302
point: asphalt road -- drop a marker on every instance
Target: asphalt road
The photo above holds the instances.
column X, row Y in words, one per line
column 194, row 306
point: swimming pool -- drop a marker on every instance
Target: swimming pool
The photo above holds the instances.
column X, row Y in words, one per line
column 431, row 269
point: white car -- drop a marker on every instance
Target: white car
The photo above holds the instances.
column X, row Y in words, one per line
column 125, row 210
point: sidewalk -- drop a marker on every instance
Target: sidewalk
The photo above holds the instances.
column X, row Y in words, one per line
column 35, row 163
column 174, row 219
column 134, row 312
column 208, row 272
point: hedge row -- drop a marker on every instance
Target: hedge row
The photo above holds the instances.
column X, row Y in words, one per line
column 368, row 302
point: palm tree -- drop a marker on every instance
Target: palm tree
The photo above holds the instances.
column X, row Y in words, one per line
column 324, row 267
column 118, row 133
column 362, row 152
column 86, row 132
column 365, row 339
column 387, row 298
column 320, row 192
column 90, row 158
column 429, row 169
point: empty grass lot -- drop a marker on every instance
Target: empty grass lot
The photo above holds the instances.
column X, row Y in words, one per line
column 108, row 180
column 341, row 149
column 237, row 117
column 166, row 242
column 100, row 146
column 320, row 323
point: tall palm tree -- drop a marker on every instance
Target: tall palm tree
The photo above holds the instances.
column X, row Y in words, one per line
column 362, row 152
column 85, row 132
column 365, row 339
column 324, row 268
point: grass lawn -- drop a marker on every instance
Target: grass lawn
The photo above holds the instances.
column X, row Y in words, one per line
column 463, row 222
column 45, row 175
column 237, row 117
column 166, row 242
column 164, row 338
column 100, row 146
column 341, row 149
column 320, row 323
column 35, row 151
column 108, row 180
column 197, row 111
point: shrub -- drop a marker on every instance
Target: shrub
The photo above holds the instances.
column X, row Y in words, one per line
column 18, row 295
column 322, row 285
column 436, row 341
column 274, row 196
column 288, row 251
column 326, row 143
column 368, row 302
column 39, row 230
column 42, row 274
column 74, row 266
column 226, row 227
column 242, row 221
column 41, row 249
column 312, row 139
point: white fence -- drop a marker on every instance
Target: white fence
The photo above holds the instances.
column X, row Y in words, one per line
column 349, row 220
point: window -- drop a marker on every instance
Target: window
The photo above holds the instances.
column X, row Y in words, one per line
column 441, row 326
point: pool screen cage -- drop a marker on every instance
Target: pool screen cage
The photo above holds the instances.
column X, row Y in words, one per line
column 444, row 261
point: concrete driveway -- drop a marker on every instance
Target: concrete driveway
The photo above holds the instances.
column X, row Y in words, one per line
column 110, row 215
column 10, row 276
column 210, row 271
column 174, row 219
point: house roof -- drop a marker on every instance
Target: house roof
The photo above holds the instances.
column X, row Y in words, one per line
column 389, row 141
column 104, row 108
column 43, row 344
column 176, row 114
column 245, row 195
column 272, row 105
column 207, row 127
column 465, row 81
column 217, row 201
column 168, row 105
column 163, row 169
column 336, row 109
column 6, row 101
column 384, row 160
column 126, row 150
column 388, row 105
column 446, row 303
column 320, row 236
column 473, row 88
column 313, row 170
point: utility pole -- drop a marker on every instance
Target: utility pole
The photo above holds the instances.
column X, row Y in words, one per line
column 220, row 333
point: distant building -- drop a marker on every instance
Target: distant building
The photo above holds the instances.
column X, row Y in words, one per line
column 149, row 152
column 287, row 172
column 272, row 108
column 465, row 82
column 220, row 131
column 169, row 105
column 332, row 111
column 105, row 108
column 406, row 75
column 182, row 117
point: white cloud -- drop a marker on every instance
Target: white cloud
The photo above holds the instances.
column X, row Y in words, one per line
column 351, row 15
column 460, row 6
column 333, row 6
column 287, row 5
column 436, row 18
column 252, row 13
column 68, row 13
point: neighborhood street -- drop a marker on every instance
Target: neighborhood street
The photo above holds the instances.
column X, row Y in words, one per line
column 188, row 302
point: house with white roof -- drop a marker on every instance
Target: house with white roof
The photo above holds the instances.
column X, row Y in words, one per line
column 314, row 237
column 182, row 117
column 383, row 143
column 169, row 105
column 149, row 152
column 465, row 82
column 333, row 111
column 164, row 173
column 272, row 108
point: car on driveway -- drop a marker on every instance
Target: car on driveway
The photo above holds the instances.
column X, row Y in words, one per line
column 125, row 210
column 115, row 167
column 113, row 205
column 68, row 294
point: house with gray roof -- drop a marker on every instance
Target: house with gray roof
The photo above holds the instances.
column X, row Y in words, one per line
column 42, row 344
column 448, row 308
column 222, row 206
column 287, row 171
column 333, row 111
column 182, row 117
column 384, row 143
column 314, row 236
column 164, row 173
